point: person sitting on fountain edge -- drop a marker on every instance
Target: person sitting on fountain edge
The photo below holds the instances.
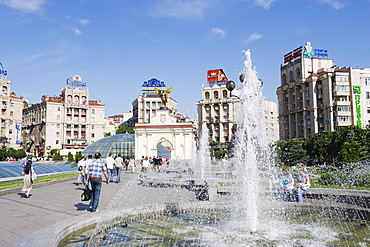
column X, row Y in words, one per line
column 303, row 183
column 286, row 184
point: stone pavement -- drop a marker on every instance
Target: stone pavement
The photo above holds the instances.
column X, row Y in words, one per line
column 53, row 203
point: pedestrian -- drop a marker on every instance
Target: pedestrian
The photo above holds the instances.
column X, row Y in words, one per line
column 94, row 176
column 81, row 165
column 27, row 182
column 119, row 165
column 109, row 162
column 132, row 165
column 145, row 164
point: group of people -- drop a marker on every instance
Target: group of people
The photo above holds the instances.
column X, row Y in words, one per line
column 154, row 164
column 290, row 185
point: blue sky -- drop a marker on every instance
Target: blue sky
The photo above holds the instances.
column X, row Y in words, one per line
column 116, row 45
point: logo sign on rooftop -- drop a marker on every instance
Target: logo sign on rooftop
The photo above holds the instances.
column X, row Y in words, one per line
column 75, row 82
column 148, row 86
column 216, row 76
column 3, row 72
column 306, row 51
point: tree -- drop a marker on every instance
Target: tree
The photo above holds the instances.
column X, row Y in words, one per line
column 123, row 129
column 319, row 146
column 78, row 156
column 349, row 152
column 291, row 152
column 57, row 156
column 70, row 157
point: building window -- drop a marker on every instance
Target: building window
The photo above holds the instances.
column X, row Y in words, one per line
column 10, row 122
column 92, row 111
column 92, row 127
column 343, row 108
column 153, row 104
column 57, row 134
column 341, row 88
column 58, row 126
column 11, row 113
column 92, row 119
column 343, row 119
column 341, row 78
column 10, row 132
column 147, row 104
column 206, row 95
column 367, row 95
column 56, row 141
column 92, row 135
column 344, row 98
column 11, row 104
column 367, row 81
column 58, row 108
column 58, row 117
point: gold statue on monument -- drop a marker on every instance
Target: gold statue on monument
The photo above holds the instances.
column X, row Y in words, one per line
column 163, row 94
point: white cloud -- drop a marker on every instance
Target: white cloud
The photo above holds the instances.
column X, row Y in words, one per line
column 84, row 21
column 333, row 3
column 182, row 8
column 24, row 5
column 264, row 3
column 77, row 31
column 218, row 33
column 253, row 37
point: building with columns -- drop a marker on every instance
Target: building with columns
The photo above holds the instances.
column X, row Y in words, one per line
column 11, row 113
column 220, row 111
column 316, row 95
column 69, row 122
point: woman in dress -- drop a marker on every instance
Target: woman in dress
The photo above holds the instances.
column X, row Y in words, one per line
column 27, row 183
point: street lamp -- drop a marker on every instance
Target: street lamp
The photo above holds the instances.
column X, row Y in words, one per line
column 230, row 85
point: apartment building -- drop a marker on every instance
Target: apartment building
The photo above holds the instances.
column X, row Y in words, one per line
column 316, row 95
column 69, row 122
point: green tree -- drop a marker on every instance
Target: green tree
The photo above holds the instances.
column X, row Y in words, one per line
column 107, row 134
column 20, row 153
column 57, row 156
column 319, row 146
column 349, row 152
column 78, row 156
column 70, row 157
column 291, row 152
column 123, row 129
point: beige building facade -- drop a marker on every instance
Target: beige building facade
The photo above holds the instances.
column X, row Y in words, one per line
column 69, row 122
column 316, row 95
column 220, row 112
column 11, row 115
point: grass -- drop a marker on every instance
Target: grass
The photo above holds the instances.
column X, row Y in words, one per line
column 19, row 182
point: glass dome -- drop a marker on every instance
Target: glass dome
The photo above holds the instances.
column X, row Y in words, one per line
column 123, row 144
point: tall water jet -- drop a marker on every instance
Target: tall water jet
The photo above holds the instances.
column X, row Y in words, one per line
column 251, row 143
column 203, row 154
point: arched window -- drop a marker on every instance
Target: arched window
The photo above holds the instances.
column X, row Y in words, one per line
column 83, row 100
column 69, row 99
column 297, row 74
column 215, row 94
column 283, row 79
column 4, row 91
column 291, row 79
column 206, row 95
column 224, row 94
column 76, row 100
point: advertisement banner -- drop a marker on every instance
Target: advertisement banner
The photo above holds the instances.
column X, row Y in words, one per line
column 217, row 76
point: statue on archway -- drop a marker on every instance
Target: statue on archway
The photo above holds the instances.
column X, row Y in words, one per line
column 163, row 94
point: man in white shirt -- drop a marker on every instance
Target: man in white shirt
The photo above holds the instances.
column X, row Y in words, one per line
column 119, row 165
column 109, row 162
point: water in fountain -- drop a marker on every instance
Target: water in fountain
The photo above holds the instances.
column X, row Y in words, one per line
column 203, row 153
column 251, row 149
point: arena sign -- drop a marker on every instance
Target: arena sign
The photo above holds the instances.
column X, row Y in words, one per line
column 75, row 82
column 3, row 72
column 307, row 51
column 148, row 86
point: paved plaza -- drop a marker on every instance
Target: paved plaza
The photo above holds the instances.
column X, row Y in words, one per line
column 61, row 201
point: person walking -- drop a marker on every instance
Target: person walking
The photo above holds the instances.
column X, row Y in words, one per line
column 27, row 182
column 132, row 165
column 119, row 165
column 109, row 161
column 95, row 171
column 81, row 171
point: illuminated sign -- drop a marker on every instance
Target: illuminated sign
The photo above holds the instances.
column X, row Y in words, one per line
column 18, row 128
column 357, row 92
column 148, row 86
column 75, row 82
column 308, row 52
column 3, row 72
column 216, row 76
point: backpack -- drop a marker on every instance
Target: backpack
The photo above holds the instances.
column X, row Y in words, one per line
column 86, row 195
column 80, row 168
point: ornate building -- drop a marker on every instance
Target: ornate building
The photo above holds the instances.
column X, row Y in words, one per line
column 70, row 122
column 11, row 113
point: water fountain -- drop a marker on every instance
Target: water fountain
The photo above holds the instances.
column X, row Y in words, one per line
column 252, row 216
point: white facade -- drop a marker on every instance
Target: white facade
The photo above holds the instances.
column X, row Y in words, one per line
column 70, row 121
column 315, row 95
column 113, row 122
column 165, row 130
column 220, row 112
column 11, row 116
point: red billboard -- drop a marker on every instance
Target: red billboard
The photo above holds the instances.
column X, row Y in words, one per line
column 217, row 76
